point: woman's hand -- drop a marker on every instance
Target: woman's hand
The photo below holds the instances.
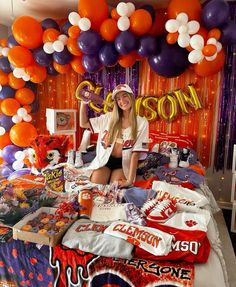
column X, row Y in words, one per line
column 124, row 183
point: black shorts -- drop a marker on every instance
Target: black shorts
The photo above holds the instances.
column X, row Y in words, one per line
column 114, row 162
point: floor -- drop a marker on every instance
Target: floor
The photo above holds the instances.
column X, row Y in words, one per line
column 227, row 216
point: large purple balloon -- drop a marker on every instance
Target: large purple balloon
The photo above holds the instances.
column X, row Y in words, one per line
column 170, row 61
column 147, row 46
column 49, row 23
column 6, row 122
column 108, row 55
column 11, row 41
column 125, row 43
column 42, row 58
column 91, row 63
column 7, row 92
column 62, row 58
column 228, row 33
column 215, row 13
column 89, row 42
column 5, row 65
column 65, row 28
column 8, row 153
column 6, row 170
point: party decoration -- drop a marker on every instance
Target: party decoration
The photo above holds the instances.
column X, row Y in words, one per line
column 192, row 8
column 73, row 47
column 11, row 42
column 49, row 23
column 5, row 140
column 6, row 122
column 140, row 22
column 228, row 36
column 109, row 30
column 8, row 153
column 77, row 65
column 41, row 57
column 3, row 78
column 19, row 136
column 36, row 73
column 25, row 96
column 7, row 92
column 127, row 60
column 91, row 63
column 147, row 46
column 125, row 42
column 14, row 82
column 20, row 57
column 108, row 55
column 89, row 42
column 10, row 106
column 158, row 25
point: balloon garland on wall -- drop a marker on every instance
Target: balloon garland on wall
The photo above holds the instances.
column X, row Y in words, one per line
column 89, row 41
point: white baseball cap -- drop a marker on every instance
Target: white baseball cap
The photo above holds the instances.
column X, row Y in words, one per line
column 121, row 88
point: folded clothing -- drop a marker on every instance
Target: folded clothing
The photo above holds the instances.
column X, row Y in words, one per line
column 138, row 195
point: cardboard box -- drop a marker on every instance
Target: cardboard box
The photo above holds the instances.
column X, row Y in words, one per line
column 43, row 239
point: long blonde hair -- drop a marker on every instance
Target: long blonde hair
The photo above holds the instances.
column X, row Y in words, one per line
column 116, row 121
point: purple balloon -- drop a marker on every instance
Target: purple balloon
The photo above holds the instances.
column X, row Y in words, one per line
column 170, row 61
column 6, row 122
column 5, row 65
column 6, row 170
column 11, row 41
column 147, row 46
column 49, row 23
column 62, row 58
column 91, row 63
column 51, row 70
column 42, row 58
column 8, row 153
column 150, row 10
column 108, row 55
column 7, row 92
column 89, row 42
column 18, row 173
column 228, row 33
column 215, row 13
column 125, row 43
column 65, row 28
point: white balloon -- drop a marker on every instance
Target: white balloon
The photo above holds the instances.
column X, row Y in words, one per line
column 63, row 38
column 84, row 24
column 1, row 51
column 22, row 112
column 212, row 58
column 18, row 72
column 219, row 47
column 0, row 88
column 122, row 9
column 183, row 40
column 5, row 51
column 19, row 155
column 172, row 26
column 197, row 42
column 211, row 41
column 183, row 29
column 27, row 118
column 26, row 77
column 0, row 152
column 18, row 164
column 74, row 18
column 58, row 46
column 16, row 119
column 123, row 23
column 131, row 8
column 193, row 27
column 2, row 131
column 195, row 56
column 182, row 18
column 48, row 48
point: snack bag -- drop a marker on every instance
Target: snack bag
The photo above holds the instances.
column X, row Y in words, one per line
column 54, row 179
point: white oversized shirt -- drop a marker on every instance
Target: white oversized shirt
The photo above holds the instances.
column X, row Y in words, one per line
column 100, row 125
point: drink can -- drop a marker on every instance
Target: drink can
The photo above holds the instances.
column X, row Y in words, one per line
column 86, row 203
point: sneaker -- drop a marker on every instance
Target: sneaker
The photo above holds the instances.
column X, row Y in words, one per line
column 149, row 205
column 70, row 157
column 78, row 159
column 163, row 211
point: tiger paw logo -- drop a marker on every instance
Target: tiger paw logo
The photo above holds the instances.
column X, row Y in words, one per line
column 190, row 223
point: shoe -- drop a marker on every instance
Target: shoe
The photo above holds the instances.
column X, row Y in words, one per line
column 78, row 159
column 149, row 205
column 70, row 157
column 173, row 158
column 163, row 211
column 184, row 158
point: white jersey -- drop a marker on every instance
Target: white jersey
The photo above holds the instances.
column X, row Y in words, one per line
column 100, row 125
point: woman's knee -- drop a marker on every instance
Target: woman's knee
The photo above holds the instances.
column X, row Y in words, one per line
column 101, row 175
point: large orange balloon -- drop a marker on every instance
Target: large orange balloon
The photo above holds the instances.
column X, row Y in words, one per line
column 96, row 11
column 21, row 134
column 158, row 26
column 15, row 83
column 109, row 30
column 126, row 61
column 77, row 66
column 10, row 106
column 5, row 140
column 25, row 96
column 140, row 22
column 207, row 68
column 191, row 7
column 37, row 73
column 20, row 57
column 3, row 78
column 28, row 32
column 73, row 47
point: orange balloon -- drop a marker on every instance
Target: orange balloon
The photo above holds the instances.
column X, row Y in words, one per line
column 28, row 32
column 73, row 47
column 214, row 33
column 10, row 106
column 172, row 38
column 207, row 68
column 0, row 106
column 25, row 96
column 126, row 61
column 3, row 78
column 140, row 22
column 5, row 140
column 77, row 66
column 158, row 26
column 28, row 108
column 22, row 134
column 37, row 73
column 209, row 50
column 114, row 14
column 1, row 160
column 20, row 57
column 192, row 8
column 74, row 32
column 96, row 11
column 50, row 35
column 109, row 30
column 62, row 69
column 15, row 83
column 3, row 43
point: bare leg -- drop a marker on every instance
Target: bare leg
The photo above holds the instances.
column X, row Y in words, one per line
column 117, row 174
column 101, row 175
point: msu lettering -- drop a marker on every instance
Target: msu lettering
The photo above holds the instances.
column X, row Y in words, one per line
column 184, row 246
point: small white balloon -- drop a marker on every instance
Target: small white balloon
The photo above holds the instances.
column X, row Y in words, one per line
column 211, row 41
column 131, row 8
column 74, row 18
column 18, row 164
column 183, row 29
column 182, row 18
column 197, row 42
column 122, row 9
column 18, row 72
column 63, row 38
column 48, row 48
column 123, row 23
column 26, row 77
column 219, row 47
column 58, row 46
column 172, row 26
column 27, row 118
column 84, row 24
column 19, row 155
column 212, row 58
column 195, row 56
column 16, row 119
column 193, row 27
column 183, row 40
column 0, row 152
column 5, row 51
column 2, row 131
column 0, row 88
column 22, row 112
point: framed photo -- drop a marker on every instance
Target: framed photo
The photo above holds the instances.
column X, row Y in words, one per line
column 61, row 121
